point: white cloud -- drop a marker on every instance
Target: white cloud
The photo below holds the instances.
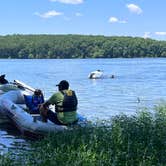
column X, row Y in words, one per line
column 116, row 20
column 49, row 14
column 134, row 8
column 113, row 19
column 69, row 1
column 78, row 14
column 160, row 33
column 147, row 35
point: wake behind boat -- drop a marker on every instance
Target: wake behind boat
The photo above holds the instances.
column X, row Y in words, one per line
column 12, row 104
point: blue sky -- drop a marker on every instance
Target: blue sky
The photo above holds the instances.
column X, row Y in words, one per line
column 142, row 18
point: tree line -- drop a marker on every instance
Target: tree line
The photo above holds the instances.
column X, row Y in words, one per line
column 78, row 46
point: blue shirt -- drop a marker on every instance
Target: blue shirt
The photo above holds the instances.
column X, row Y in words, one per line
column 33, row 102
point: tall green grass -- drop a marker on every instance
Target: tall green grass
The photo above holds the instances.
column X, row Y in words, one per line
column 138, row 140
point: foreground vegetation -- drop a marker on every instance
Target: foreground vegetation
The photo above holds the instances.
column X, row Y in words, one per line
column 79, row 46
column 138, row 140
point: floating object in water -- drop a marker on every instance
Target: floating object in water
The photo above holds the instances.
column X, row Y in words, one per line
column 96, row 74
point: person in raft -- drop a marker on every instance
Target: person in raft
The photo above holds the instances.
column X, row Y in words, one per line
column 3, row 80
column 33, row 102
column 65, row 102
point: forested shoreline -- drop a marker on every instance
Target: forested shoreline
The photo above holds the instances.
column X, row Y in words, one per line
column 78, row 46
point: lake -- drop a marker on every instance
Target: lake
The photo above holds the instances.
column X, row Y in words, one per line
column 138, row 84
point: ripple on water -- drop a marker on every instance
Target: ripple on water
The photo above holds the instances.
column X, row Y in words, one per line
column 10, row 139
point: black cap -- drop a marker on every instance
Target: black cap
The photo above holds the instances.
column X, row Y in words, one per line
column 63, row 84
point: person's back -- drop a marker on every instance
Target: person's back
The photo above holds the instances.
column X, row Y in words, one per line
column 65, row 106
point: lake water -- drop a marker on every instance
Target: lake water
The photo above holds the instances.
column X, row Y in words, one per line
column 138, row 83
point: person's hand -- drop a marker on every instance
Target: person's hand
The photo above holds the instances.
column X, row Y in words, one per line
column 43, row 110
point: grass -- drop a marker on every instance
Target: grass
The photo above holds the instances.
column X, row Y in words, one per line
column 138, row 140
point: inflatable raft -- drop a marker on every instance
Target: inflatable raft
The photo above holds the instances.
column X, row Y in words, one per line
column 12, row 105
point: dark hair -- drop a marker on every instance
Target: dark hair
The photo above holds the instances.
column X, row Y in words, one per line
column 63, row 85
column 38, row 92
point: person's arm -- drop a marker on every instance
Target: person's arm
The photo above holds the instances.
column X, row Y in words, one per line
column 46, row 104
column 50, row 101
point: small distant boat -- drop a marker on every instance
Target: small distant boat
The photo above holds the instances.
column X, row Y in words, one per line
column 96, row 74
column 12, row 104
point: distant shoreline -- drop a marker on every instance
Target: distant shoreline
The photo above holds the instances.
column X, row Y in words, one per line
column 78, row 47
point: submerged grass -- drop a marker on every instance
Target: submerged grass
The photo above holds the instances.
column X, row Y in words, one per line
column 128, row 140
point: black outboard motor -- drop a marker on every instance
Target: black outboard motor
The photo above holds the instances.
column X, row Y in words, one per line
column 3, row 80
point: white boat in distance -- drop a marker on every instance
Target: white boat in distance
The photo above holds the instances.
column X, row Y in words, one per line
column 96, row 74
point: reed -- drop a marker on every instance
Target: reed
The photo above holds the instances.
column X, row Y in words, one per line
column 124, row 140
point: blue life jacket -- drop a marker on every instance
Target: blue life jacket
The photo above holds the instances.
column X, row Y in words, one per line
column 32, row 102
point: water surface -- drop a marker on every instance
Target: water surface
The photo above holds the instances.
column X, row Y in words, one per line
column 138, row 83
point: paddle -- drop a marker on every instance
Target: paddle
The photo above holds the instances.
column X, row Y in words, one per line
column 23, row 85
